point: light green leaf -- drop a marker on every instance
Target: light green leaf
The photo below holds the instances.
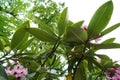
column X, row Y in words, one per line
column 110, row 29
column 100, row 19
column 105, row 46
column 18, row 37
column 41, row 35
column 3, row 75
column 111, row 40
column 62, row 23
column 45, row 27
column 25, row 45
column 78, row 24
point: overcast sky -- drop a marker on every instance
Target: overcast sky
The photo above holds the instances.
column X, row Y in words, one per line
column 84, row 9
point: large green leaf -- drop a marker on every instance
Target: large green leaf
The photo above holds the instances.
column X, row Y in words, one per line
column 62, row 23
column 106, row 46
column 44, row 26
column 76, row 33
column 100, row 19
column 108, row 30
column 41, row 34
column 20, row 35
column 3, row 75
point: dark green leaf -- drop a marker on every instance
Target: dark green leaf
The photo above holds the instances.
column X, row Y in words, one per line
column 41, row 76
column 41, row 35
column 97, row 64
column 111, row 40
column 105, row 46
column 110, row 29
column 1, row 45
column 3, row 75
column 11, row 77
column 62, row 23
column 72, row 63
column 80, row 72
column 100, row 19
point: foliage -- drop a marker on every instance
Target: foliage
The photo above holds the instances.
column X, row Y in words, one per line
column 46, row 50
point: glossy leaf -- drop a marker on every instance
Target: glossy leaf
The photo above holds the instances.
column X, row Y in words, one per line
column 105, row 46
column 111, row 40
column 100, row 19
column 62, row 23
column 110, row 29
column 3, row 75
column 76, row 34
column 41, row 35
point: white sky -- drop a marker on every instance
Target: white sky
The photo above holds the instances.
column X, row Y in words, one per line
column 84, row 9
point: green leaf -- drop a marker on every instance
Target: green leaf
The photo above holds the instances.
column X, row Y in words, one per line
column 18, row 37
column 97, row 64
column 62, row 23
column 41, row 76
column 41, row 35
column 25, row 45
column 80, row 72
column 100, row 19
column 45, row 27
column 11, row 77
column 1, row 45
column 76, row 33
column 111, row 40
column 103, row 57
column 105, row 46
column 3, row 75
column 110, row 29
column 77, row 24
column 72, row 63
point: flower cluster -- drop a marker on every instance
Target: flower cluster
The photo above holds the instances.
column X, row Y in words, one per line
column 113, row 74
column 18, row 71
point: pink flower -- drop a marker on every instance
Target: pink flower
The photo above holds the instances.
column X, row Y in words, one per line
column 18, row 71
column 8, row 71
column 84, row 27
column 113, row 74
